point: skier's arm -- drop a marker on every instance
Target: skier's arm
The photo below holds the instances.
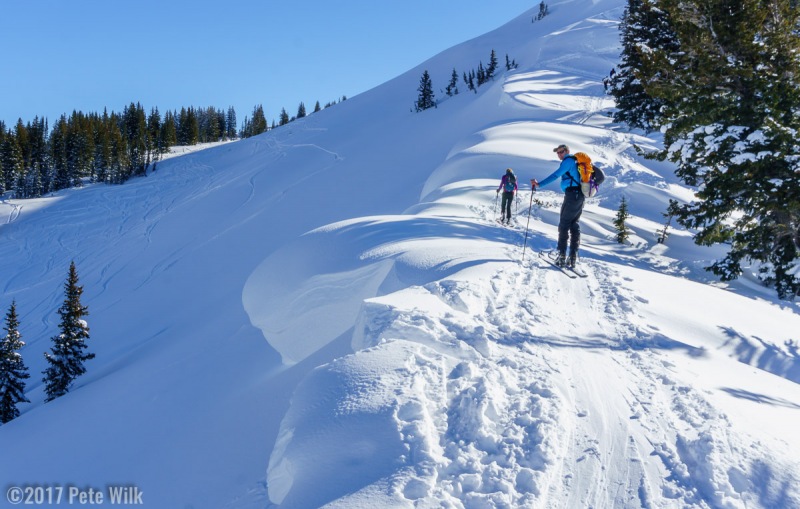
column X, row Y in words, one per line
column 562, row 169
column 502, row 182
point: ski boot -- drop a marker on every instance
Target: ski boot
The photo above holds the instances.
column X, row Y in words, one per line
column 573, row 258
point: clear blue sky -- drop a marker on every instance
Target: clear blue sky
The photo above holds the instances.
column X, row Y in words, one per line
column 88, row 55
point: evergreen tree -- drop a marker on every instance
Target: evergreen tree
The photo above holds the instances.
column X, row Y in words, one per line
column 284, row 117
column 102, row 147
column 40, row 160
column 13, row 371
column 644, row 27
column 222, row 120
column 169, row 133
column 192, row 128
column 425, row 100
column 619, row 222
column 118, row 171
column 663, row 233
column 67, row 353
column 58, row 154
column 258, row 124
column 134, row 124
column 731, row 115
column 155, row 143
column 452, row 87
column 11, row 162
column 188, row 128
column 492, row 67
column 230, row 122
column 208, row 124
column 247, row 128
column 301, row 110
column 543, row 11
column 23, row 140
column 3, row 136
column 317, row 107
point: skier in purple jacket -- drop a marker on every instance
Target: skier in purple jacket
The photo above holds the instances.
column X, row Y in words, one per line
column 509, row 186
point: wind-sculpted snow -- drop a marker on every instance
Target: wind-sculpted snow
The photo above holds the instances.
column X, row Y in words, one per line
column 479, row 393
column 347, row 263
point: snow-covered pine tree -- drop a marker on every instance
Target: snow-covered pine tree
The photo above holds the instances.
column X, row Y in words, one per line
column 731, row 118
column 425, row 100
column 13, row 371
column 11, row 163
column 619, row 221
column 644, row 27
column 67, row 353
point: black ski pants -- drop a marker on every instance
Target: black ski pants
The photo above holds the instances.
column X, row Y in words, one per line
column 569, row 228
column 505, row 205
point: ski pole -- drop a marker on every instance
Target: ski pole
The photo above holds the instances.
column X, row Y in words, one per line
column 496, row 196
column 525, row 244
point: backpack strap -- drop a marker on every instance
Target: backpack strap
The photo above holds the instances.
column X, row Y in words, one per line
column 575, row 183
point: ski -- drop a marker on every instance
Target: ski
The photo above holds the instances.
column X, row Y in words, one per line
column 578, row 272
column 572, row 272
column 544, row 256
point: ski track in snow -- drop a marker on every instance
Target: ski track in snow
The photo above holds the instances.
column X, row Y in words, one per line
column 508, row 436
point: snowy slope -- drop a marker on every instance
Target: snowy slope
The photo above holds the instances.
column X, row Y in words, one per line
column 328, row 314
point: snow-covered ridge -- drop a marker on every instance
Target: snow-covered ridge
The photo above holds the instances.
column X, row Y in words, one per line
column 328, row 314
